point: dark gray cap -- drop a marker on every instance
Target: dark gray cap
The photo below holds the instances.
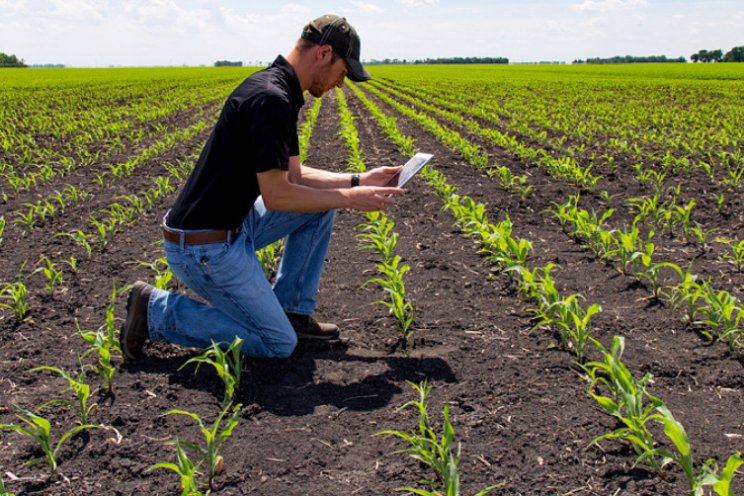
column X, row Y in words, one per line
column 337, row 32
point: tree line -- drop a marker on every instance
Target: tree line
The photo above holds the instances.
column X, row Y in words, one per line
column 10, row 61
column 736, row 54
column 629, row 59
column 442, row 60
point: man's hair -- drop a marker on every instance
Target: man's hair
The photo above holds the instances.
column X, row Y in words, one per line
column 304, row 44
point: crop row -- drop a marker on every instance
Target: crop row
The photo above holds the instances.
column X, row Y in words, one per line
column 626, row 398
column 628, row 246
column 683, row 123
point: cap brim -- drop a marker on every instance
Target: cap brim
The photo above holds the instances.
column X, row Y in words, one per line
column 357, row 73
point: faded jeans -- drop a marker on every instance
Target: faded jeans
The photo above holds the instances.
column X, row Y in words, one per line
column 241, row 301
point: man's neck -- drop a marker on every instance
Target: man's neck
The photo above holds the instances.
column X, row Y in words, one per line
column 301, row 66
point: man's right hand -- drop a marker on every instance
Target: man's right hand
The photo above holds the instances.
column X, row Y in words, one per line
column 372, row 198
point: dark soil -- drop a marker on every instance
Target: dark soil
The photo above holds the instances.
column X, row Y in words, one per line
column 519, row 405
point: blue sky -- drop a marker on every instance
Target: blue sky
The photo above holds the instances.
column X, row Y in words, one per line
column 92, row 33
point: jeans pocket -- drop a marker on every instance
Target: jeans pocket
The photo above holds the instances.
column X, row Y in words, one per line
column 210, row 255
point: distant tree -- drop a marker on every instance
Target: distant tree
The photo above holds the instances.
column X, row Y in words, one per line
column 629, row 59
column 228, row 63
column 707, row 56
column 10, row 61
column 736, row 54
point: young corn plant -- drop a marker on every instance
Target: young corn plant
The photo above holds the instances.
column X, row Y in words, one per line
column 186, row 470
column 16, row 294
column 102, row 344
column 625, row 398
column 701, row 236
column 80, row 238
column 686, row 292
column 378, row 233
column 630, row 247
column 439, row 453
column 708, row 473
column 228, row 364
column 511, row 182
column 736, row 251
column 163, row 274
column 722, row 313
column 269, row 257
column 78, row 386
column 39, row 430
column 52, row 274
column 651, row 273
column 392, row 272
column 572, row 321
column 214, row 437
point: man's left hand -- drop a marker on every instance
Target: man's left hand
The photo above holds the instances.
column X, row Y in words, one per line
column 380, row 176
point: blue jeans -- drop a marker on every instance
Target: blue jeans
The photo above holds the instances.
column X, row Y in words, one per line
column 241, row 301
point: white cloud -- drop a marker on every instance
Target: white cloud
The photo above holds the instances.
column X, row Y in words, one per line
column 608, row 5
column 419, row 3
column 367, row 8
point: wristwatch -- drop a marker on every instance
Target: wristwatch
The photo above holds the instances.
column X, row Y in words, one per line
column 355, row 180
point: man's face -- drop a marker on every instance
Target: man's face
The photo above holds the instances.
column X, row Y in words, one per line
column 330, row 74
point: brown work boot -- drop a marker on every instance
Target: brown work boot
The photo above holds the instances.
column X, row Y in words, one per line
column 306, row 327
column 134, row 333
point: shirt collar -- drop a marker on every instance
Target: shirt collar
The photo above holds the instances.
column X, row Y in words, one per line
column 289, row 76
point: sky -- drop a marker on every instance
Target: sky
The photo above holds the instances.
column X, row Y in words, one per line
column 102, row 33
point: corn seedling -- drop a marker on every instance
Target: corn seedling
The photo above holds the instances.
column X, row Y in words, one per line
column 2, row 227
column 214, row 436
column 78, row 386
column 708, row 473
column 686, row 292
column 511, row 182
column 720, row 202
column 722, row 313
column 572, row 321
column 440, row 454
column 52, row 274
column 736, row 251
column 228, row 364
column 651, row 274
column 625, row 399
column 702, row 236
column 185, row 469
column 269, row 257
column 163, row 274
column 80, row 238
column 15, row 293
column 630, row 247
column 101, row 343
column 40, row 429
column 392, row 282
column 378, row 233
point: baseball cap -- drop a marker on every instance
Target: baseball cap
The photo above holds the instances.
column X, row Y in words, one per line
column 343, row 38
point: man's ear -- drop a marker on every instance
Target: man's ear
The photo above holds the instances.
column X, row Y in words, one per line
column 324, row 51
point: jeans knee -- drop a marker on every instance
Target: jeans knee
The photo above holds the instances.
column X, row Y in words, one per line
column 284, row 347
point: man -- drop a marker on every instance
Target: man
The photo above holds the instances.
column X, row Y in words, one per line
column 248, row 190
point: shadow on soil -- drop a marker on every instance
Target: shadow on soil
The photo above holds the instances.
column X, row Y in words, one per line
column 293, row 387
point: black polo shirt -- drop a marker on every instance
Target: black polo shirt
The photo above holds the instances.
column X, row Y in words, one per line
column 256, row 132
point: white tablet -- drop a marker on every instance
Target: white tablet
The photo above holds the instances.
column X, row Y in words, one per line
column 410, row 169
